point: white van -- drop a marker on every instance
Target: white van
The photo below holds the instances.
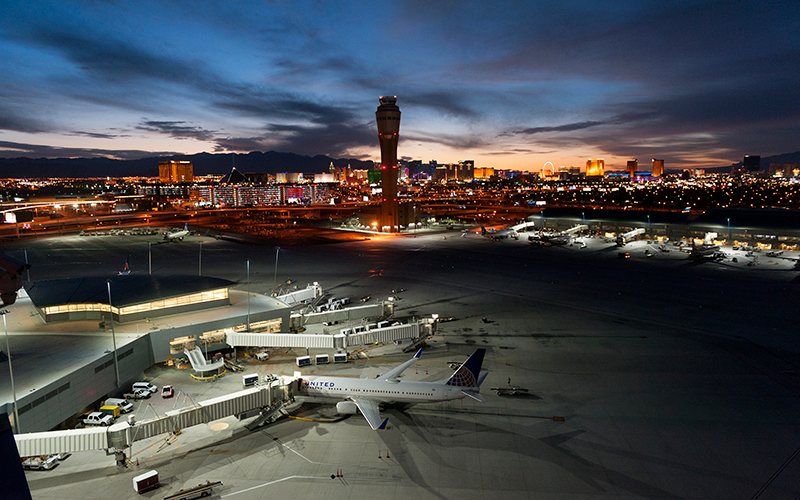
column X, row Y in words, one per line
column 147, row 386
column 125, row 406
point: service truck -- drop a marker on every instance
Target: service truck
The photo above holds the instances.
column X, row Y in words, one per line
column 113, row 410
column 124, row 406
column 97, row 418
column 137, row 394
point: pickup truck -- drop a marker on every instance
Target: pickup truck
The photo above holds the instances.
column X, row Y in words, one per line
column 137, row 394
column 97, row 418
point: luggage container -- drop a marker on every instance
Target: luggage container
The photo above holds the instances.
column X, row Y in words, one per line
column 321, row 359
column 250, row 380
column 145, row 482
column 340, row 357
column 303, row 360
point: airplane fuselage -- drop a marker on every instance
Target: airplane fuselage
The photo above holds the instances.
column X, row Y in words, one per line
column 403, row 391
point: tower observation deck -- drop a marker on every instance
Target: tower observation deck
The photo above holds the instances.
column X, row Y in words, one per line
column 388, row 118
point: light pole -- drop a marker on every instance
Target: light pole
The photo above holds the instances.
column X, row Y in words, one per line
column 11, row 372
column 248, row 291
column 28, row 269
column 113, row 334
column 275, row 277
column 648, row 226
column 200, row 261
column 729, row 228
column 149, row 258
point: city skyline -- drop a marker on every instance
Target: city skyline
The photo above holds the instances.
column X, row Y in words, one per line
column 699, row 84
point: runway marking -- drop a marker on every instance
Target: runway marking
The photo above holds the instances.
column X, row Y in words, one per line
column 273, row 482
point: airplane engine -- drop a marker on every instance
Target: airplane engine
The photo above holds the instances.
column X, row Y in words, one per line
column 346, row 408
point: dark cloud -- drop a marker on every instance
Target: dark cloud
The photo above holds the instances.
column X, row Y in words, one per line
column 10, row 149
column 178, row 130
column 332, row 140
column 237, row 144
column 560, row 128
column 20, row 123
column 94, row 135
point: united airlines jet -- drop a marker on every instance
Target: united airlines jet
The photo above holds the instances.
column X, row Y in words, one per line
column 366, row 395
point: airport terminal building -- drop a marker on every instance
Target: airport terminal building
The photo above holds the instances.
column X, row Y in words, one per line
column 66, row 323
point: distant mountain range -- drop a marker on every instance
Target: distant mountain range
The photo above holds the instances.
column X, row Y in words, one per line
column 791, row 158
column 221, row 163
column 202, row 163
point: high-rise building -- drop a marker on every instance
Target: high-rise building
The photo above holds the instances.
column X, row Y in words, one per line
column 171, row 172
column 658, row 168
column 595, row 167
column 751, row 163
column 633, row 165
column 388, row 118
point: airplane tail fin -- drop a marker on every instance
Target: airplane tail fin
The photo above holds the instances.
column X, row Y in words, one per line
column 483, row 229
column 186, row 226
column 469, row 373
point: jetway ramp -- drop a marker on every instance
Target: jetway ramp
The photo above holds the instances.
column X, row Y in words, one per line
column 344, row 315
column 341, row 340
column 199, row 362
column 307, row 294
column 121, row 435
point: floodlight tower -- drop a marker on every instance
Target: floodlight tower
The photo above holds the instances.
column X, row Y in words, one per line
column 388, row 118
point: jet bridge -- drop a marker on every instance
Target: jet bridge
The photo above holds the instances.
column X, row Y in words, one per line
column 573, row 230
column 625, row 238
column 307, row 294
column 121, row 435
column 346, row 337
column 299, row 320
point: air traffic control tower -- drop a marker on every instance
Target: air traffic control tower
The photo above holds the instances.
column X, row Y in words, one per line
column 388, row 118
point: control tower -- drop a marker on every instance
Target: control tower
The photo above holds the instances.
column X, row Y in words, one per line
column 388, row 118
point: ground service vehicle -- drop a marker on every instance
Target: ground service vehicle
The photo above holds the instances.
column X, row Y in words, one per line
column 124, row 406
column 139, row 394
column 145, row 482
column 147, row 386
column 97, row 418
column 44, row 462
column 112, row 410
column 167, row 391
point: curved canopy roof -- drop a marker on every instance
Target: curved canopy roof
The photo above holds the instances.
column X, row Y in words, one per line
column 125, row 290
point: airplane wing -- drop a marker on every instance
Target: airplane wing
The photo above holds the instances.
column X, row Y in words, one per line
column 369, row 408
column 391, row 375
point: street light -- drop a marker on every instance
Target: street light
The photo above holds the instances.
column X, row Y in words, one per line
column 648, row 225
column 113, row 334
column 11, row 372
column 248, row 290
column 729, row 227
column 275, row 277
column 200, row 261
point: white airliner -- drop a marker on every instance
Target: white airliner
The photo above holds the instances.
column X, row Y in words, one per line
column 367, row 394
column 178, row 235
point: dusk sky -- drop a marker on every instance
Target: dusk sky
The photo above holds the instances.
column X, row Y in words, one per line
column 508, row 84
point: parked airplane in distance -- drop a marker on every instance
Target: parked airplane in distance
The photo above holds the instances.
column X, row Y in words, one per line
column 366, row 395
column 177, row 235
column 499, row 235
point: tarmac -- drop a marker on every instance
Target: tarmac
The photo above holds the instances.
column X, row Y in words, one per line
column 648, row 377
